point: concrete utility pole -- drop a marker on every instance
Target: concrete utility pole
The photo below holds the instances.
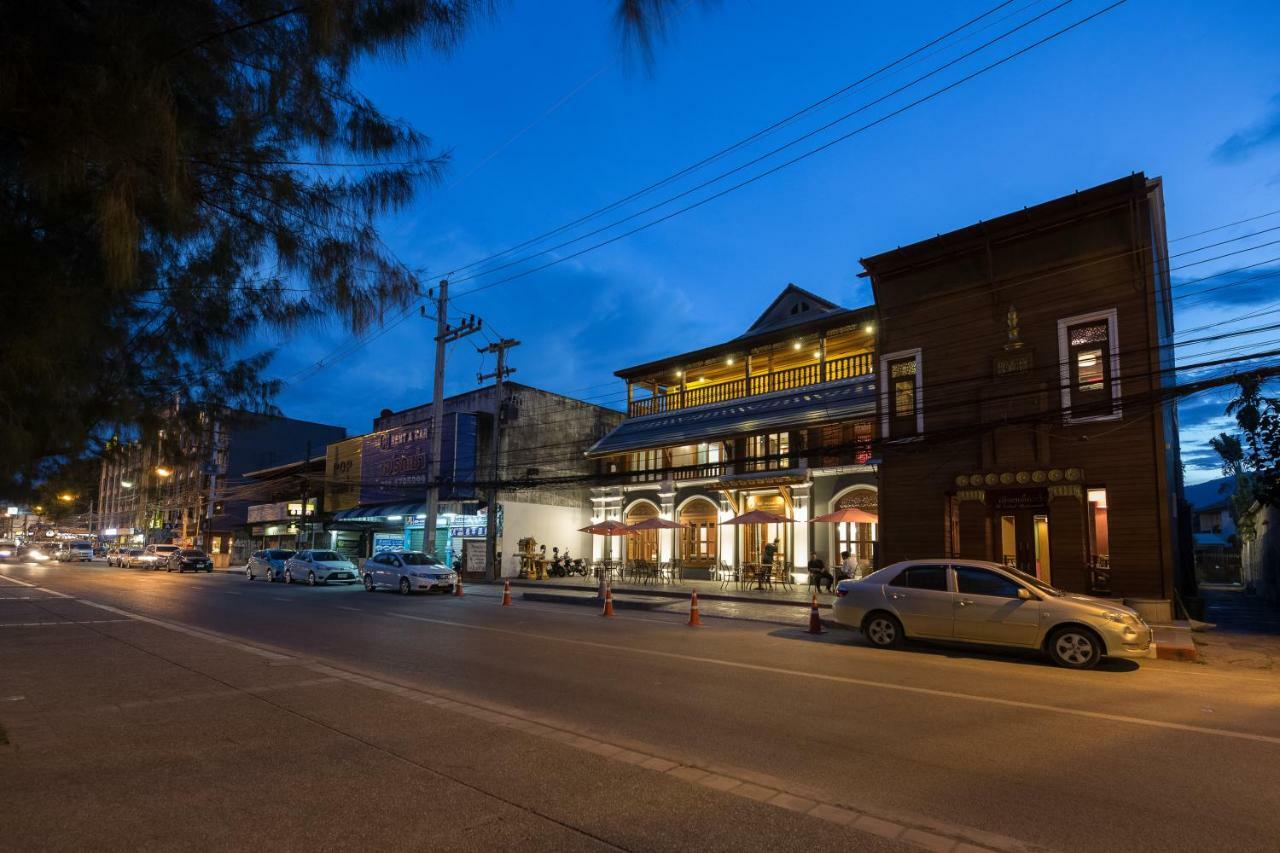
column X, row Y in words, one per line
column 445, row 334
column 500, row 373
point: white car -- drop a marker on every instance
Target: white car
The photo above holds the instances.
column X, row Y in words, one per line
column 72, row 552
column 156, row 557
column 972, row 601
column 320, row 567
column 407, row 571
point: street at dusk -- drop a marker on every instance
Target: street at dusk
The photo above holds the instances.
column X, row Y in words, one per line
column 639, row 425
column 1004, row 752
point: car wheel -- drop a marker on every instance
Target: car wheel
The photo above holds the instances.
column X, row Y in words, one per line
column 882, row 630
column 248, row 572
column 368, row 583
column 405, row 589
column 311, row 578
column 288, row 576
column 1075, row 648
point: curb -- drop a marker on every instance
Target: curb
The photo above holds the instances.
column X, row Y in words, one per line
column 668, row 593
column 618, row 602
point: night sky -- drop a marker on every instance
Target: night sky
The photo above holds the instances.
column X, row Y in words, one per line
column 547, row 117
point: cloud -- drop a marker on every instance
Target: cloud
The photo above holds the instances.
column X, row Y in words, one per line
column 1242, row 287
column 1243, row 144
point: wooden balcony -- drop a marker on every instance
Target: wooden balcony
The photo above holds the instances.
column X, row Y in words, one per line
column 700, row 394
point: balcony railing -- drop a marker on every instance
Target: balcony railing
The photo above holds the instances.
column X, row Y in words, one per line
column 817, row 373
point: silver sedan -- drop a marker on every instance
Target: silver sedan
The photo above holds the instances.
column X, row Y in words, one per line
column 972, row 601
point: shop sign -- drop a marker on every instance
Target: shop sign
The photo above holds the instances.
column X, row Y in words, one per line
column 1023, row 499
column 468, row 532
column 866, row 500
column 387, row 542
column 394, row 463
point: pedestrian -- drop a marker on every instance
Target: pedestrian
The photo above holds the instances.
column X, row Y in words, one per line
column 770, row 551
column 848, row 566
column 818, row 573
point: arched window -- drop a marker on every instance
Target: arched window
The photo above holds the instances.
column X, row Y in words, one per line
column 642, row 545
column 698, row 538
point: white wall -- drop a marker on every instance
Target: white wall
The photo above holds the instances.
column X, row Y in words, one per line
column 553, row 526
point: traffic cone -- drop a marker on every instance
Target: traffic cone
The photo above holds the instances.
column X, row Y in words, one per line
column 608, row 602
column 815, row 621
column 600, row 591
column 506, row 593
column 694, row 618
column 457, row 586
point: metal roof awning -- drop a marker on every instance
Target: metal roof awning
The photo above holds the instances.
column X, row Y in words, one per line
column 380, row 512
column 803, row 407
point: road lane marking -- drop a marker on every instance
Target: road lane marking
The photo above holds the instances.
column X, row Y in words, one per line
column 231, row 592
column 82, row 622
column 352, row 609
column 866, row 682
column 33, row 586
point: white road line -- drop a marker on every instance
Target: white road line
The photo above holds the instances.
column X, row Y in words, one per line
column 352, row 609
column 865, row 682
column 33, row 586
column 229, row 592
column 37, row 624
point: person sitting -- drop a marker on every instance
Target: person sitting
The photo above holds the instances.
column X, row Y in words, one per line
column 818, row 573
column 848, row 567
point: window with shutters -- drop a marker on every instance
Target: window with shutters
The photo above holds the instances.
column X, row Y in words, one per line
column 901, row 397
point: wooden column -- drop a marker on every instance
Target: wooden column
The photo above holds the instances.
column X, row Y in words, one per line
column 822, row 357
column 629, row 397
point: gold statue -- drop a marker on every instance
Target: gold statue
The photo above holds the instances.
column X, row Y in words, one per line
column 1011, row 321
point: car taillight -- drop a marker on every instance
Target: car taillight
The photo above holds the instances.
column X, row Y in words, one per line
column 841, row 592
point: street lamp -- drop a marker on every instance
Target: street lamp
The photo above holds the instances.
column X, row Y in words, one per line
column 162, row 471
column 66, row 497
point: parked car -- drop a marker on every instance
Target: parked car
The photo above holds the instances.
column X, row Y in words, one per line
column 972, row 601
column 74, row 552
column 268, row 564
column 113, row 556
column 8, row 549
column 156, row 557
column 320, row 567
column 189, row 560
column 130, row 558
column 407, row 571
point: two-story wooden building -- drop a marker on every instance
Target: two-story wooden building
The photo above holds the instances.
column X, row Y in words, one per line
column 1024, row 411
column 778, row 419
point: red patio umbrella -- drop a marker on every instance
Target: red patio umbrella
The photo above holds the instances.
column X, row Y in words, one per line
column 655, row 523
column 849, row 515
column 609, row 527
column 758, row 516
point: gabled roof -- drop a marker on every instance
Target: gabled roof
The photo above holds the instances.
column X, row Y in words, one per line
column 812, row 314
column 793, row 305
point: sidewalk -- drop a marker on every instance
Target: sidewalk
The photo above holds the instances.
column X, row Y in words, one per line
column 1246, row 632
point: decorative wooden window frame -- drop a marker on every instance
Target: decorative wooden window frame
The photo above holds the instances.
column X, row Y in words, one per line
column 1064, row 362
column 886, row 385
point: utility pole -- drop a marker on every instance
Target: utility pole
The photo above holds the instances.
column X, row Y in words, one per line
column 500, row 373
column 306, row 496
column 445, row 334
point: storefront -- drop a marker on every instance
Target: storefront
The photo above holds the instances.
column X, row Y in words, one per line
column 365, row 530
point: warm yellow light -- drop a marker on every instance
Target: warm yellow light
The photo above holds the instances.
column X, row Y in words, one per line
column 868, row 328
column 817, row 354
column 679, row 373
column 729, row 360
column 66, row 497
column 39, row 508
column 126, row 484
column 702, row 379
column 796, row 345
column 162, row 471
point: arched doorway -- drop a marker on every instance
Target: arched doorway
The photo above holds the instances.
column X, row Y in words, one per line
column 698, row 539
column 858, row 539
column 644, row 544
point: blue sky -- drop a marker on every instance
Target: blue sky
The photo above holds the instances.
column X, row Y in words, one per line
column 547, row 118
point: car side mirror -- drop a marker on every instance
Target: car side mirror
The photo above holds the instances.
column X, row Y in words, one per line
column 1025, row 594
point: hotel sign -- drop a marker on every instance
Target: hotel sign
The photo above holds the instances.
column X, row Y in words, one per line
column 1013, row 363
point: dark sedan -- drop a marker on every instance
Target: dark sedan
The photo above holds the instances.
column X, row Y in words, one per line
column 189, row 559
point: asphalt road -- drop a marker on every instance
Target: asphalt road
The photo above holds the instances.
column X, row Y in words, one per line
column 1135, row 756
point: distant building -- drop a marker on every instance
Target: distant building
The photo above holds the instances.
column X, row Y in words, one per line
column 195, row 495
column 1024, row 364
column 1216, row 545
column 376, row 483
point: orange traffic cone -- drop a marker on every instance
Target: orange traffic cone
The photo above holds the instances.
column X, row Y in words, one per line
column 457, row 586
column 694, row 617
column 608, row 602
column 815, row 621
column 506, row 593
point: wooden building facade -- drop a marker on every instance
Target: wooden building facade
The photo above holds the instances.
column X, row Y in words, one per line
column 1024, row 414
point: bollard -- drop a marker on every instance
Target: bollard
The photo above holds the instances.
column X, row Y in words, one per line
column 695, row 618
column 815, row 621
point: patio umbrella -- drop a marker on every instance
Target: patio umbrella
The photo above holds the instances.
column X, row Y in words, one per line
column 850, row 515
column 655, row 523
column 606, row 528
column 758, row 516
